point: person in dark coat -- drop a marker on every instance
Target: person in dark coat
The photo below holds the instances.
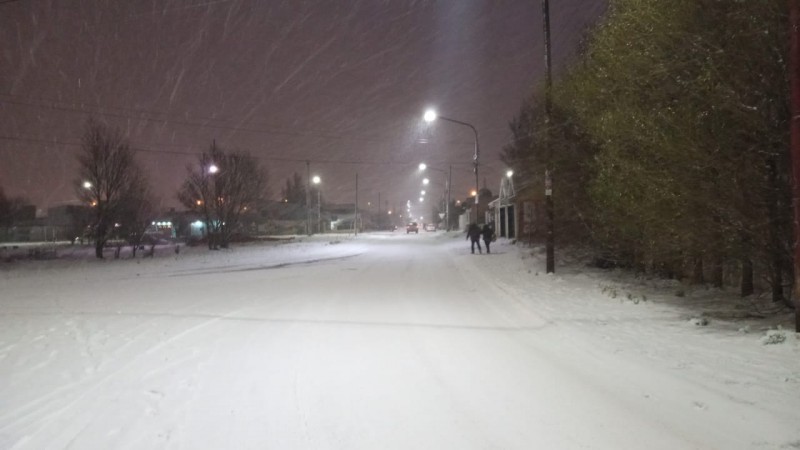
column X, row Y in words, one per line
column 474, row 235
column 488, row 235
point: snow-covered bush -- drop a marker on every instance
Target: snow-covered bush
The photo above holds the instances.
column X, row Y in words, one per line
column 774, row 337
column 698, row 321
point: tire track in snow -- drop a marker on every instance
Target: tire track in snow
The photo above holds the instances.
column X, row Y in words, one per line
column 35, row 407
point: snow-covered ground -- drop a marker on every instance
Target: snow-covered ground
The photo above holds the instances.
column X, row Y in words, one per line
column 382, row 341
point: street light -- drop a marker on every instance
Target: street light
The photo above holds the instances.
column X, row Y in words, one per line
column 448, row 176
column 430, row 116
column 213, row 169
column 317, row 180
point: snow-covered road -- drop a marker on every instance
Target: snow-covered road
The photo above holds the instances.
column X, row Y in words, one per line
column 387, row 341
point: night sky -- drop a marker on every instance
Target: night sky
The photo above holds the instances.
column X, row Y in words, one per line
column 342, row 84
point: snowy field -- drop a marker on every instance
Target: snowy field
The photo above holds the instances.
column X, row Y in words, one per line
column 382, row 341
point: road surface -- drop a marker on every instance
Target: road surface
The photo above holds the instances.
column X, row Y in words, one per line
column 391, row 341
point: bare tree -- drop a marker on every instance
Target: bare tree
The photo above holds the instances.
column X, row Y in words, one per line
column 295, row 190
column 136, row 215
column 223, row 187
column 109, row 178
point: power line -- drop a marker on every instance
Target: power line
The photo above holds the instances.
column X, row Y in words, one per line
column 167, row 119
column 134, row 148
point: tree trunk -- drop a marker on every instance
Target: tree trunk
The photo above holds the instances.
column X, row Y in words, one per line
column 776, row 231
column 100, row 240
column 777, row 283
column 747, row 277
column 697, row 270
column 716, row 271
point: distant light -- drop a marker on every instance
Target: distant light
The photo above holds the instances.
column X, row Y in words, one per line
column 87, row 185
column 153, row 223
column 473, row 193
column 421, row 199
column 422, row 192
column 316, row 179
column 510, row 173
column 423, row 166
column 425, row 181
column 390, row 213
column 213, row 169
column 430, row 115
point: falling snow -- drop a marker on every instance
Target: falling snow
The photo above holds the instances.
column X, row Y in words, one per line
column 340, row 84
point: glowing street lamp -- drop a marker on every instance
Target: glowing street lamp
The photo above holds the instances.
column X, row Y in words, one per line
column 87, row 185
column 317, row 180
column 448, row 175
column 212, row 169
column 430, row 116
column 509, row 173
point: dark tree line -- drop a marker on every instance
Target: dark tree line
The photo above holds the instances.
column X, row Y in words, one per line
column 12, row 210
column 295, row 190
column 670, row 140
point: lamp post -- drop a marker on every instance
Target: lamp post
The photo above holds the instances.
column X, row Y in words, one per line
column 308, row 198
column 317, row 180
column 448, row 175
column 430, row 116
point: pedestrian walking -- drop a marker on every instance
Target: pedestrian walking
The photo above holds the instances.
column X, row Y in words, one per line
column 474, row 235
column 488, row 235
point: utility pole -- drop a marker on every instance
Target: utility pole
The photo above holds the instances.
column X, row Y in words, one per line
column 447, row 205
column 548, row 173
column 477, row 187
column 355, row 216
column 794, row 82
column 308, row 197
